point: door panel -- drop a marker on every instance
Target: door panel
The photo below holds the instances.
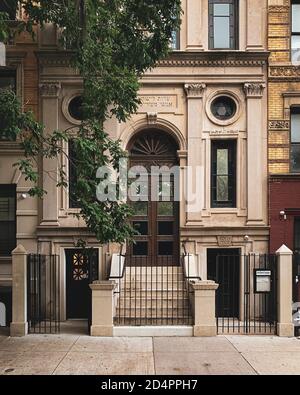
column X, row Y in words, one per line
column 79, row 274
column 223, row 267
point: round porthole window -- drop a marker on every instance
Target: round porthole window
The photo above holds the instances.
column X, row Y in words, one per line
column 223, row 108
column 75, row 108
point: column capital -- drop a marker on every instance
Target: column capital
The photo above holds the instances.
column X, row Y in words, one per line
column 50, row 89
column 254, row 89
column 194, row 91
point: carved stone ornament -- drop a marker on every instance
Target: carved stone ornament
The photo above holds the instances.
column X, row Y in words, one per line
column 279, row 125
column 254, row 89
column 224, row 241
column 152, row 118
column 50, row 89
column 195, row 90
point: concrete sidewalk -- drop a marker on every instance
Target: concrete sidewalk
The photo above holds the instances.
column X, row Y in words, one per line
column 73, row 354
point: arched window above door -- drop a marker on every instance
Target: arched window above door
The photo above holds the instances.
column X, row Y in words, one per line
column 153, row 143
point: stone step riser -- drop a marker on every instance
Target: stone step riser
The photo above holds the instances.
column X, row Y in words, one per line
column 154, row 305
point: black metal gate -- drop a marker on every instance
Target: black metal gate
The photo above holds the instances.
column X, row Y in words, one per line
column 296, row 291
column 43, row 293
column 246, row 301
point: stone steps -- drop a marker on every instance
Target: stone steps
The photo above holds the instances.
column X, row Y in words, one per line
column 150, row 296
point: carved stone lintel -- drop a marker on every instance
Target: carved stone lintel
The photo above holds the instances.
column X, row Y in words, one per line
column 152, row 118
column 254, row 89
column 50, row 89
column 225, row 241
column 195, row 90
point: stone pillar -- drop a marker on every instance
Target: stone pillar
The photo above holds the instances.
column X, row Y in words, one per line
column 19, row 325
column 194, row 25
column 50, row 91
column 196, row 161
column 285, row 326
column 256, row 16
column 205, row 324
column 102, row 308
column 256, row 172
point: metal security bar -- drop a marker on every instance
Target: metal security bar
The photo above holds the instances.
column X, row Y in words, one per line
column 43, row 287
column 296, row 291
column 246, row 301
column 151, row 295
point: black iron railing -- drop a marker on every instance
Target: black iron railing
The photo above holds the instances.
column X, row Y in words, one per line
column 43, row 288
column 246, row 301
column 148, row 294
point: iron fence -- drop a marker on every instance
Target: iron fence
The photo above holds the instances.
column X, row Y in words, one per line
column 246, row 301
column 43, row 293
column 148, row 294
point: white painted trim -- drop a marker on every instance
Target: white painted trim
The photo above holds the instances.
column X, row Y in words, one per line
column 153, row 331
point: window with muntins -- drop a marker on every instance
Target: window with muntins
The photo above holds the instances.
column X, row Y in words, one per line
column 295, row 139
column 73, row 202
column 223, row 24
column 223, row 177
column 175, row 40
column 7, row 219
column 295, row 39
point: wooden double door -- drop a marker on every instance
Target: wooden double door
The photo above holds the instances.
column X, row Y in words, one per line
column 156, row 213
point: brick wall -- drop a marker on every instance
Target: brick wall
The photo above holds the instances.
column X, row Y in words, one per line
column 284, row 196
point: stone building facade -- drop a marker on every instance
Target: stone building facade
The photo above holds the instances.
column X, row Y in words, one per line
column 206, row 104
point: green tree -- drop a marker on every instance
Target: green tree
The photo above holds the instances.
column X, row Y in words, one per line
column 113, row 43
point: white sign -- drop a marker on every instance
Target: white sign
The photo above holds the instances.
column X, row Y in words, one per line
column 263, row 281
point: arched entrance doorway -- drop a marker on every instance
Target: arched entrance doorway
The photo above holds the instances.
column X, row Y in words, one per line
column 156, row 214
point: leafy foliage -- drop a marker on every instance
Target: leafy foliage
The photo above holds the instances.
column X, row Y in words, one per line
column 113, row 43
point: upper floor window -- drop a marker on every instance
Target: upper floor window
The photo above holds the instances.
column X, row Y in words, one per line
column 73, row 202
column 10, row 7
column 7, row 219
column 295, row 139
column 8, row 79
column 175, row 40
column 295, row 31
column 223, row 24
column 223, row 177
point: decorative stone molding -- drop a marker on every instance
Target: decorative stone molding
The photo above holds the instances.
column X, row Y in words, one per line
column 254, row 89
column 279, row 8
column 50, row 89
column 152, row 118
column 279, row 125
column 195, row 90
column 224, row 241
column 284, row 72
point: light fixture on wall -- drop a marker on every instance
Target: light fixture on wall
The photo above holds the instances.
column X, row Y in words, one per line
column 24, row 196
column 283, row 215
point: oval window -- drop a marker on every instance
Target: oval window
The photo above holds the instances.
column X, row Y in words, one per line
column 75, row 108
column 223, row 108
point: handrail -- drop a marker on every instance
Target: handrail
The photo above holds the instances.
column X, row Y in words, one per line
column 187, row 276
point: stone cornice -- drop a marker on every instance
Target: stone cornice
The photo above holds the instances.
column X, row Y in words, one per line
column 215, row 59
column 53, row 58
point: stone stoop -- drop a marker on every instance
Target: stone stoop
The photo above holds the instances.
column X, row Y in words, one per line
column 153, row 296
